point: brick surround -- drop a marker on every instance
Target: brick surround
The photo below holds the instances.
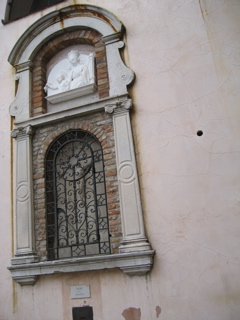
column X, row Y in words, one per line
column 100, row 124
column 51, row 48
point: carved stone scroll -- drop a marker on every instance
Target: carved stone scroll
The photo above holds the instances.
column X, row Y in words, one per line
column 119, row 74
column 20, row 107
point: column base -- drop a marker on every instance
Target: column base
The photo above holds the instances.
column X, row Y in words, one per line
column 134, row 246
column 25, row 280
column 24, row 258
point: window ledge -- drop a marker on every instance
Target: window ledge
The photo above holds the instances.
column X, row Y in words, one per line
column 132, row 263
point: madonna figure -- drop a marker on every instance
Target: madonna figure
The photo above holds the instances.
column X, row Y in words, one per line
column 78, row 74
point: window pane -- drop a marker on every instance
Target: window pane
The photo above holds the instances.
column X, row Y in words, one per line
column 82, row 313
column 20, row 8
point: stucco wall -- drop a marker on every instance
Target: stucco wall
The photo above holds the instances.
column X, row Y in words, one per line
column 186, row 57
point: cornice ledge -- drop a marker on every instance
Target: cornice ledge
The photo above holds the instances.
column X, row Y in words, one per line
column 112, row 37
column 82, row 109
column 133, row 263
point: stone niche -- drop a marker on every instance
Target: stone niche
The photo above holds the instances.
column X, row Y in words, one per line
column 53, row 86
column 66, row 79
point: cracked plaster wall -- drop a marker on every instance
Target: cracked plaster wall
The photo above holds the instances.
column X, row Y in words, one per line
column 186, row 56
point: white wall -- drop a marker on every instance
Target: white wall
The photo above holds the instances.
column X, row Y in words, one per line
column 186, row 56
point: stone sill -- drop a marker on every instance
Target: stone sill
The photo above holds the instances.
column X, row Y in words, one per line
column 132, row 263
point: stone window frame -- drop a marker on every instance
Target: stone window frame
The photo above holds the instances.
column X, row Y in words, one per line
column 135, row 255
column 99, row 124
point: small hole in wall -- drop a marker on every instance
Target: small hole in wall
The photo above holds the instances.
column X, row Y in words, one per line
column 199, row 133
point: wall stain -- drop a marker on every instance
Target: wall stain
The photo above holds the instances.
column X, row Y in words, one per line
column 203, row 9
column 61, row 23
column 158, row 311
column 132, row 314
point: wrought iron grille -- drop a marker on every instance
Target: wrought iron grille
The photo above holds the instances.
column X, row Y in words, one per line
column 77, row 219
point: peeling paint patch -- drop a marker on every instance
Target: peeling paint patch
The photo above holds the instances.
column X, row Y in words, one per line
column 132, row 314
column 158, row 311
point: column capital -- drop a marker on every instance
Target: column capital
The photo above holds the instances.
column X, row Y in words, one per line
column 22, row 132
column 27, row 65
column 119, row 106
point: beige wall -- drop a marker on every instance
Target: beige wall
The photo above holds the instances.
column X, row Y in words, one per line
column 186, row 56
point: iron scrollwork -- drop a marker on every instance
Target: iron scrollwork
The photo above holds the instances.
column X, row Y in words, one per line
column 77, row 220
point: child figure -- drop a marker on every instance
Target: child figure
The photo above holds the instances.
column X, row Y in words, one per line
column 63, row 83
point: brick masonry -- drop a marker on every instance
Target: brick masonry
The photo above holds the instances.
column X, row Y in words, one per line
column 100, row 124
column 51, row 48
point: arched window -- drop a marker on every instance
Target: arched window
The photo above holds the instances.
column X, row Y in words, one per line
column 77, row 220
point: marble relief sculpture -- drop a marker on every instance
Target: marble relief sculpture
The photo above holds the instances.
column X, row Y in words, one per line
column 74, row 72
column 62, row 83
column 78, row 73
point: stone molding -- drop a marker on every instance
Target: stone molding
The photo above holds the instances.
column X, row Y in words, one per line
column 27, row 65
column 61, row 113
column 91, row 16
column 112, row 37
column 134, row 263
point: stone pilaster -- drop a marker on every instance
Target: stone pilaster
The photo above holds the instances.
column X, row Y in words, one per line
column 24, row 235
column 134, row 238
